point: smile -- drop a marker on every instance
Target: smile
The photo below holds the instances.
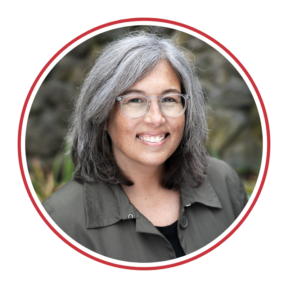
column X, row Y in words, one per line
column 152, row 139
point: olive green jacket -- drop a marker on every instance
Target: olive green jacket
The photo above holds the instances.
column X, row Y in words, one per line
column 101, row 217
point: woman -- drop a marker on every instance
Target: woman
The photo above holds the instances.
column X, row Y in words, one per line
column 144, row 188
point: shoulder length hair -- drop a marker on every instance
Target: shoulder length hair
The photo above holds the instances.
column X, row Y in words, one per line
column 120, row 65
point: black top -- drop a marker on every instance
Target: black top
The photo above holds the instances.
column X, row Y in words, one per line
column 170, row 233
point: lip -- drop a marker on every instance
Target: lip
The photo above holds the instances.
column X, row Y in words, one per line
column 153, row 144
column 151, row 133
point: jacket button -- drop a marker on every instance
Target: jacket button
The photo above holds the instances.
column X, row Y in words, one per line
column 130, row 216
column 183, row 222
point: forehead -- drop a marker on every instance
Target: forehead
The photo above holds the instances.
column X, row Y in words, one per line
column 161, row 78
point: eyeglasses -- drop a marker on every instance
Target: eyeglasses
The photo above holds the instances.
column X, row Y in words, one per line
column 135, row 106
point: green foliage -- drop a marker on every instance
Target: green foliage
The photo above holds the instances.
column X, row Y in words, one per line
column 249, row 186
column 213, row 152
column 46, row 180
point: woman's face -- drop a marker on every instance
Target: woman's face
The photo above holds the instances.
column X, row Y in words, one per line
column 132, row 140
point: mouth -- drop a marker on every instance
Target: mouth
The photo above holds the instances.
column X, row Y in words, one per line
column 153, row 139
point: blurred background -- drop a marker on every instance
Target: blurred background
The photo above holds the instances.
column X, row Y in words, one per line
column 235, row 134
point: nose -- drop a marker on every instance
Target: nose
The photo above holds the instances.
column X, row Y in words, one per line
column 154, row 116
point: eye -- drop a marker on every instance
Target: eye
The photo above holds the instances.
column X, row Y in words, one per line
column 168, row 100
column 135, row 100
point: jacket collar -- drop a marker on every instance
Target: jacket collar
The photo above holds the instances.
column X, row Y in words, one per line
column 204, row 194
column 107, row 204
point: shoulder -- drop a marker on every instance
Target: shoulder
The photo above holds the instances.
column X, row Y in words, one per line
column 81, row 204
column 218, row 169
column 65, row 196
column 66, row 203
column 226, row 184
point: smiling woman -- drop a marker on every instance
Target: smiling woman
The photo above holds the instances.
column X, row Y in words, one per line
column 137, row 141
column 144, row 189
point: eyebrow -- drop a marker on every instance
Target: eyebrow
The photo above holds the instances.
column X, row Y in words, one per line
column 129, row 91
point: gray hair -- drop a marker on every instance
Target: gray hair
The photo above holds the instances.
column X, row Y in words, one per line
column 120, row 65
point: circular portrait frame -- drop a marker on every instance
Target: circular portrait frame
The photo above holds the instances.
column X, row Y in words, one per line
column 188, row 28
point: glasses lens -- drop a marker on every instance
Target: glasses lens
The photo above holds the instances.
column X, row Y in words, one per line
column 173, row 105
column 134, row 106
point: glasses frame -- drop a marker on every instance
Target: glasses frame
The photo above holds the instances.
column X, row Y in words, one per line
column 121, row 98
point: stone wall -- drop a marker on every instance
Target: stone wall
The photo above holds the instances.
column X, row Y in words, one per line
column 235, row 128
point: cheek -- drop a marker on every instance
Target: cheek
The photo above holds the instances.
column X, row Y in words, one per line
column 115, row 121
column 179, row 127
column 120, row 129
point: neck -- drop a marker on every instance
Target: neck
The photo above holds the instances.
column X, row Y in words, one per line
column 147, row 179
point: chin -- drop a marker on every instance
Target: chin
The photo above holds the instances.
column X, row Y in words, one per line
column 152, row 162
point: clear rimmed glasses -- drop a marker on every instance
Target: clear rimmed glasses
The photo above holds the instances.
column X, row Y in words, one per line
column 135, row 106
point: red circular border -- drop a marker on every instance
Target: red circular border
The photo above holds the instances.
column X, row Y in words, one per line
column 126, row 21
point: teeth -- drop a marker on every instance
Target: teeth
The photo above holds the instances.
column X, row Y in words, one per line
column 152, row 139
